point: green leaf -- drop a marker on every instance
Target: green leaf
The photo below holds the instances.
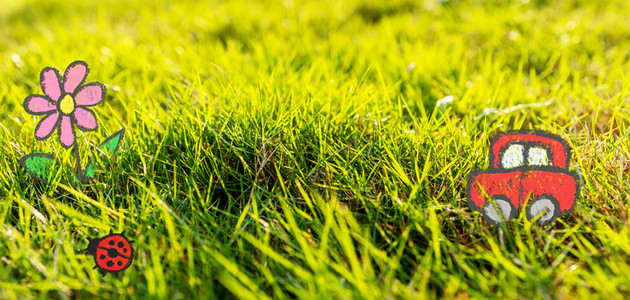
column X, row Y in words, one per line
column 90, row 171
column 42, row 166
column 109, row 146
column 112, row 143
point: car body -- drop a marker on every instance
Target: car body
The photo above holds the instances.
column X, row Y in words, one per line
column 527, row 167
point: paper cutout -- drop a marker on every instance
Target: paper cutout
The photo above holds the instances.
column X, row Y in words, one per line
column 527, row 167
column 40, row 165
column 64, row 109
column 110, row 145
column 67, row 108
column 112, row 253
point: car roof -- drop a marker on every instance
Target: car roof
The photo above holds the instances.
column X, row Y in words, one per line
column 558, row 147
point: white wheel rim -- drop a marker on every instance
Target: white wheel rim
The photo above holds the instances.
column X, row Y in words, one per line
column 543, row 207
column 503, row 213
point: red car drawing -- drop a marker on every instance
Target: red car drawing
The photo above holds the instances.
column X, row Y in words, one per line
column 526, row 168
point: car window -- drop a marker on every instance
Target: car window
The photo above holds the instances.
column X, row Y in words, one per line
column 513, row 156
column 538, row 157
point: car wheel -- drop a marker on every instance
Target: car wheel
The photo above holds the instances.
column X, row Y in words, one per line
column 497, row 211
column 543, row 210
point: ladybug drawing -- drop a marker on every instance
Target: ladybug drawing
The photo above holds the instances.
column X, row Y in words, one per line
column 112, row 253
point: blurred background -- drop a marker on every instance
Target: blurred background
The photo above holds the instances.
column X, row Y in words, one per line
column 425, row 50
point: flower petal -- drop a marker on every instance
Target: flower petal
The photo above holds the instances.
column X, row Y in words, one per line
column 90, row 94
column 49, row 79
column 74, row 76
column 66, row 132
column 46, row 126
column 85, row 119
column 39, row 105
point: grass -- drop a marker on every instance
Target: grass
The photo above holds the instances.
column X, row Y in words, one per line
column 284, row 149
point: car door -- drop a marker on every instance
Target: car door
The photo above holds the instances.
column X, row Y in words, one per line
column 545, row 180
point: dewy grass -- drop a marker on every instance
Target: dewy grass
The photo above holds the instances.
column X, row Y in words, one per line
column 284, row 149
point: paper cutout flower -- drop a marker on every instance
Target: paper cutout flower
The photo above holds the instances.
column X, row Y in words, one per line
column 65, row 103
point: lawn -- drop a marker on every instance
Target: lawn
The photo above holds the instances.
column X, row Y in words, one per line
column 316, row 149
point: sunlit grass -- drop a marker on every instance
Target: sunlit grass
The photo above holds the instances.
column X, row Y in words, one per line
column 287, row 149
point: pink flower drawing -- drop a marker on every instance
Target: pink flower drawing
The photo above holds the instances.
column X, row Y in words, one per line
column 65, row 103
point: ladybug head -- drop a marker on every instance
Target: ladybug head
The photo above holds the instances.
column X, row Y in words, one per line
column 92, row 246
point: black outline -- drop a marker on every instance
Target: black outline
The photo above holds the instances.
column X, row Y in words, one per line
column 74, row 104
column 41, row 82
column 61, row 81
column 556, row 213
column 540, row 133
column 553, row 168
column 526, row 147
column 121, row 255
column 505, row 198
column 93, row 245
column 65, row 75
column 76, row 124
column 30, row 112
column 22, row 162
column 82, row 87
column 122, row 135
column 55, row 126
column 74, row 134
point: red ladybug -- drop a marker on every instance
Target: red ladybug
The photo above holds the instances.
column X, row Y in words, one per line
column 112, row 253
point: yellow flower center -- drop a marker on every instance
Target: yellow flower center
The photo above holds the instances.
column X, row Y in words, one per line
column 66, row 105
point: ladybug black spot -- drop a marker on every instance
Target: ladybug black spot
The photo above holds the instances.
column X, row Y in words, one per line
column 102, row 256
column 112, row 253
column 120, row 263
column 120, row 244
column 111, row 243
column 110, row 263
column 125, row 250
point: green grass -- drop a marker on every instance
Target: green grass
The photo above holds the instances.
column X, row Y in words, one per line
column 284, row 149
